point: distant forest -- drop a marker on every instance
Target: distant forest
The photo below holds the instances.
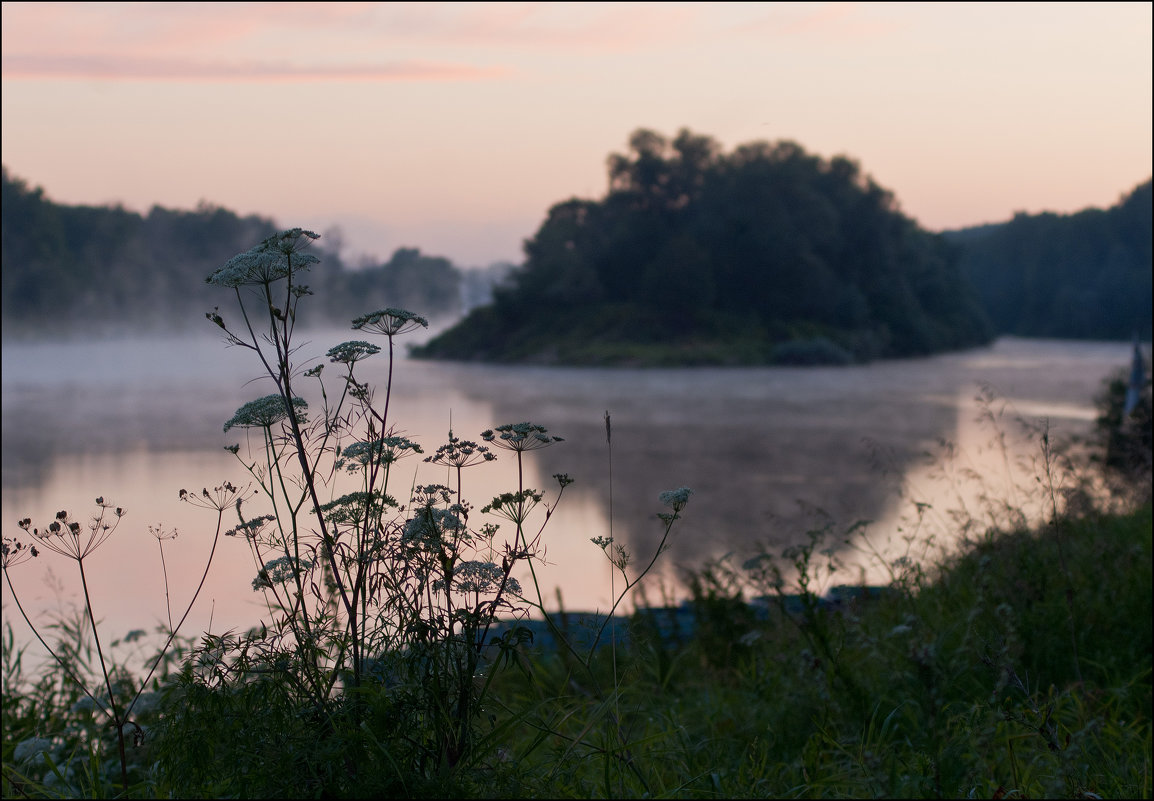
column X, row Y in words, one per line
column 1070, row 276
column 94, row 269
column 766, row 254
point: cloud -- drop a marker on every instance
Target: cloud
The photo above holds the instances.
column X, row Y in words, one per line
column 106, row 67
column 317, row 41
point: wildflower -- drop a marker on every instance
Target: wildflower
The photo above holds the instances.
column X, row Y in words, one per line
column 483, row 577
column 250, row 528
column 460, row 453
column 160, row 534
column 354, row 507
column 429, row 494
column 430, row 524
column 385, row 450
column 389, row 322
column 520, row 437
column 64, row 536
column 277, row 257
column 676, row 500
column 263, row 412
column 278, row 571
column 514, row 506
column 352, row 352
column 17, row 552
column 219, row 499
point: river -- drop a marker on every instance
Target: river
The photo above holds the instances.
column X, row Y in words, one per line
column 763, row 449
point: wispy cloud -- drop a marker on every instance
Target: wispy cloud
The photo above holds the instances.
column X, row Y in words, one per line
column 319, row 41
column 102, row 67
column 216, row 42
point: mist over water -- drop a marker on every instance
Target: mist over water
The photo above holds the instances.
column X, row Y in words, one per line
column 135, row 420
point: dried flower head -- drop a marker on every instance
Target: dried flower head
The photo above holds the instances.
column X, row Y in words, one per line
column 16, row 551
column 67, row 537
column 219, row 499
column 460, row 453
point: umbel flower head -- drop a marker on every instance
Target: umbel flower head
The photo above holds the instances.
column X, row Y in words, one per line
column 352, row 352
column 277, row 257
column 460, row 453
column 676, row 500
column 389, row 322
column 69, row 538
column 385, row 450
column 263, row 412
column 520, row 437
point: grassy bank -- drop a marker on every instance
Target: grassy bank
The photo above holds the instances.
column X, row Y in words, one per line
column 1019, row 668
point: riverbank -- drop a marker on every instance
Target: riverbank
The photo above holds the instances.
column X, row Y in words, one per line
column 1019, row 668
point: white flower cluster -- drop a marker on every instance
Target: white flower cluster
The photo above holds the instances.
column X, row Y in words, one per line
column 263, row 412
column 676, row 499
column 482, row 578
column 430, row 524
column 352, row 352
column 277, row 257
column 386, row 450
column 279, row 571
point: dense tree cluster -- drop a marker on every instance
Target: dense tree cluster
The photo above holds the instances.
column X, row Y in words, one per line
column 76, row 269
column 1084, row 275
column 764, row 254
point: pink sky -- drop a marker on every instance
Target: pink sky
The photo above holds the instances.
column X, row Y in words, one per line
column 453, row 127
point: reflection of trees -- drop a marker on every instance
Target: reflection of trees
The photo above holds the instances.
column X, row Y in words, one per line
column 751, row 445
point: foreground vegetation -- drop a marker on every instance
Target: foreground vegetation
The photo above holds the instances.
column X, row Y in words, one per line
column 400, row 656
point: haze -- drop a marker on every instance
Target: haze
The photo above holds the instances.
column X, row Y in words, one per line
column 453, row 127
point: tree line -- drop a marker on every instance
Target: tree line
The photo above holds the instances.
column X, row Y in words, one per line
column 1073, row 276
column 79, row 269
column 764, row 254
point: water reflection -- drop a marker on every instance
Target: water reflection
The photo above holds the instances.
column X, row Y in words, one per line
column 135, row 421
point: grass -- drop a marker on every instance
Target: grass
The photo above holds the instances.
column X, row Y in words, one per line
column 961, row 682
column 963, row 685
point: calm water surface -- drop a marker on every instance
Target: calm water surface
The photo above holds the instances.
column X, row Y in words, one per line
column 136, row 420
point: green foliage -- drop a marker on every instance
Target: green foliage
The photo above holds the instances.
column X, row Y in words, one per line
column 710, row 257
column 1075, row 276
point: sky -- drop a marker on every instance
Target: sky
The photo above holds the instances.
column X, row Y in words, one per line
column 453, row 127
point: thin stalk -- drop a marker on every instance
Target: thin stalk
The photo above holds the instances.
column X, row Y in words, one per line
column 116, row 718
